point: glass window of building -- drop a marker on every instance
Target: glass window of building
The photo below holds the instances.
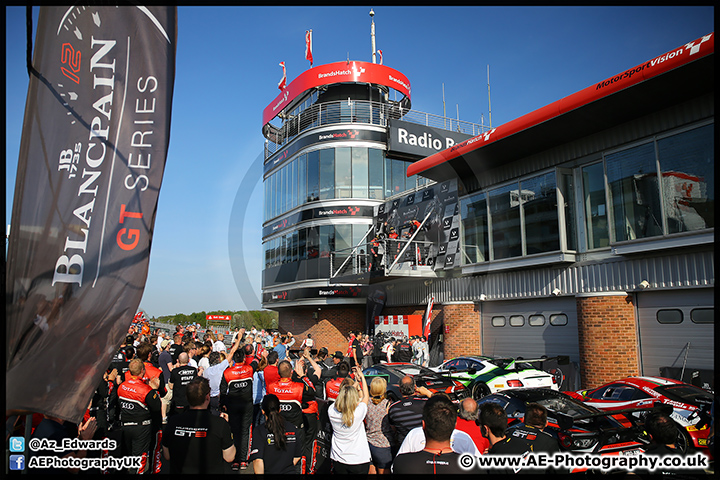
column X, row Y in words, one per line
column 475, row 228
column 327, row 173
column 505, row 218
column 282, row 190
column 313, row 176
column 567, row 187
column 302, row 251
column 702, row 315
column 302, row 180
column 517, row 320
column 293, row 184
column 498, row 321
column 274, row 193
column 282, row 250
column 388, row 178
column 410, row 182
column 634, row 193
column 539, row 203
column 343, row 241
column 669, row 316
column 359, row 172
column 343, row 172
column 327, row 240
column 313, row 242
column 398, row 176
column 596, row 223
column 266, row 196
column 359, row 232
column 558, row 319
column 687, row 163
column 375, row 174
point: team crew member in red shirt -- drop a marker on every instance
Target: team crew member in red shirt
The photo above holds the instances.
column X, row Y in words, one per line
column 137, row 401
column 271, row 371
column 236, row 388
column 332, row 386
column 295, row 391
column 311, row 412
column 144, row 352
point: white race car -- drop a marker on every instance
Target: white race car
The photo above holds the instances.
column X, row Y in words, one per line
column 484, row 375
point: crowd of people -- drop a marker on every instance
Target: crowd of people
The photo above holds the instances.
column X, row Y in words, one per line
column 196, row 405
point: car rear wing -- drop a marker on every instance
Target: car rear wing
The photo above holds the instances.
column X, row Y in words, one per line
column 507, row 362
column 566, row 422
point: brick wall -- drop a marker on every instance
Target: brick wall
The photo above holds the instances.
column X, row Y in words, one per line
column 607, row 336
column 328, row 330
column 463, row 324
column 333, row 323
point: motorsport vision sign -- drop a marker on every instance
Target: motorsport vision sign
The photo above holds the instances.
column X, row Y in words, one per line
column 92, row 155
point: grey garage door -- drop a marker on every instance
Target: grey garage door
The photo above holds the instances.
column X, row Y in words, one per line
column 531, row 328
column 676, row 327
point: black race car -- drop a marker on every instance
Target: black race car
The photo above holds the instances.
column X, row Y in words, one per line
column 578, row 428
column 424, row 377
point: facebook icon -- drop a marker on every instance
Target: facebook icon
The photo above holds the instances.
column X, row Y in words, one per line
column 17, row 462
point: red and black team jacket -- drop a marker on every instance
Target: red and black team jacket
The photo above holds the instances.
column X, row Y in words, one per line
column 292, row 395
column 332, row 388
column 151, row 372
column 136, row 401
column 237, row 383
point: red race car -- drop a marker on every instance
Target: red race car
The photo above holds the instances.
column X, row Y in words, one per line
column 691, row 404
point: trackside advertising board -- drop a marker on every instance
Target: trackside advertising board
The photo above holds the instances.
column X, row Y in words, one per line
column 92, row 155
column 399, row 326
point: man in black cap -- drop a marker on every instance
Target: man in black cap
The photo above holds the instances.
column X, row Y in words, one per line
column 331, row 372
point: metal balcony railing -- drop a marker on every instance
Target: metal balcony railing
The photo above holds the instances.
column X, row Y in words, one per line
column 369, row 257
column 356, row 111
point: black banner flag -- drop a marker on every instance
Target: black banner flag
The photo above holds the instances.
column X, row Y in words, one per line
column 93, row 151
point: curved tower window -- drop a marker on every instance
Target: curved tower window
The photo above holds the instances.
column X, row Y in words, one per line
column 327, row 174
column 343, row 172
column 359, row 172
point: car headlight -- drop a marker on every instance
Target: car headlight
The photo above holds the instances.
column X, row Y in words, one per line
column 584, row 443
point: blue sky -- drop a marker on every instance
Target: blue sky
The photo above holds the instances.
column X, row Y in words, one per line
column 227, row 73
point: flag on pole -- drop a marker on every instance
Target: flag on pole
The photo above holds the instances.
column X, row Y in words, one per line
column 379, row 52
column 308, row 46
column 427, row 319
column 92, row 155
column 281, row 85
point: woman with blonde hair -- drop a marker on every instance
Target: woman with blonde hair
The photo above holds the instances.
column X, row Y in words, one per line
column 350, row 450
column 378, row 427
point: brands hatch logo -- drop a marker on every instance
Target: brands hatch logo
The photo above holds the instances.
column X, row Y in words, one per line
column 696, row 48
column 281, row 225
column 353, row 134
column 280, row 296
column 282, row 100
column 280, row 158
column 356, row 72
column 349, row 291
column 340, row 211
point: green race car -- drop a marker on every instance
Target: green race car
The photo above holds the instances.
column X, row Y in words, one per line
column 485, row 375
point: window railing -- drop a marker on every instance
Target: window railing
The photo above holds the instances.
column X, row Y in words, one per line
column 357, row 111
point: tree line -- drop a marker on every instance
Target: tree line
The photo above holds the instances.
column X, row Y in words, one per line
column 259, row 319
